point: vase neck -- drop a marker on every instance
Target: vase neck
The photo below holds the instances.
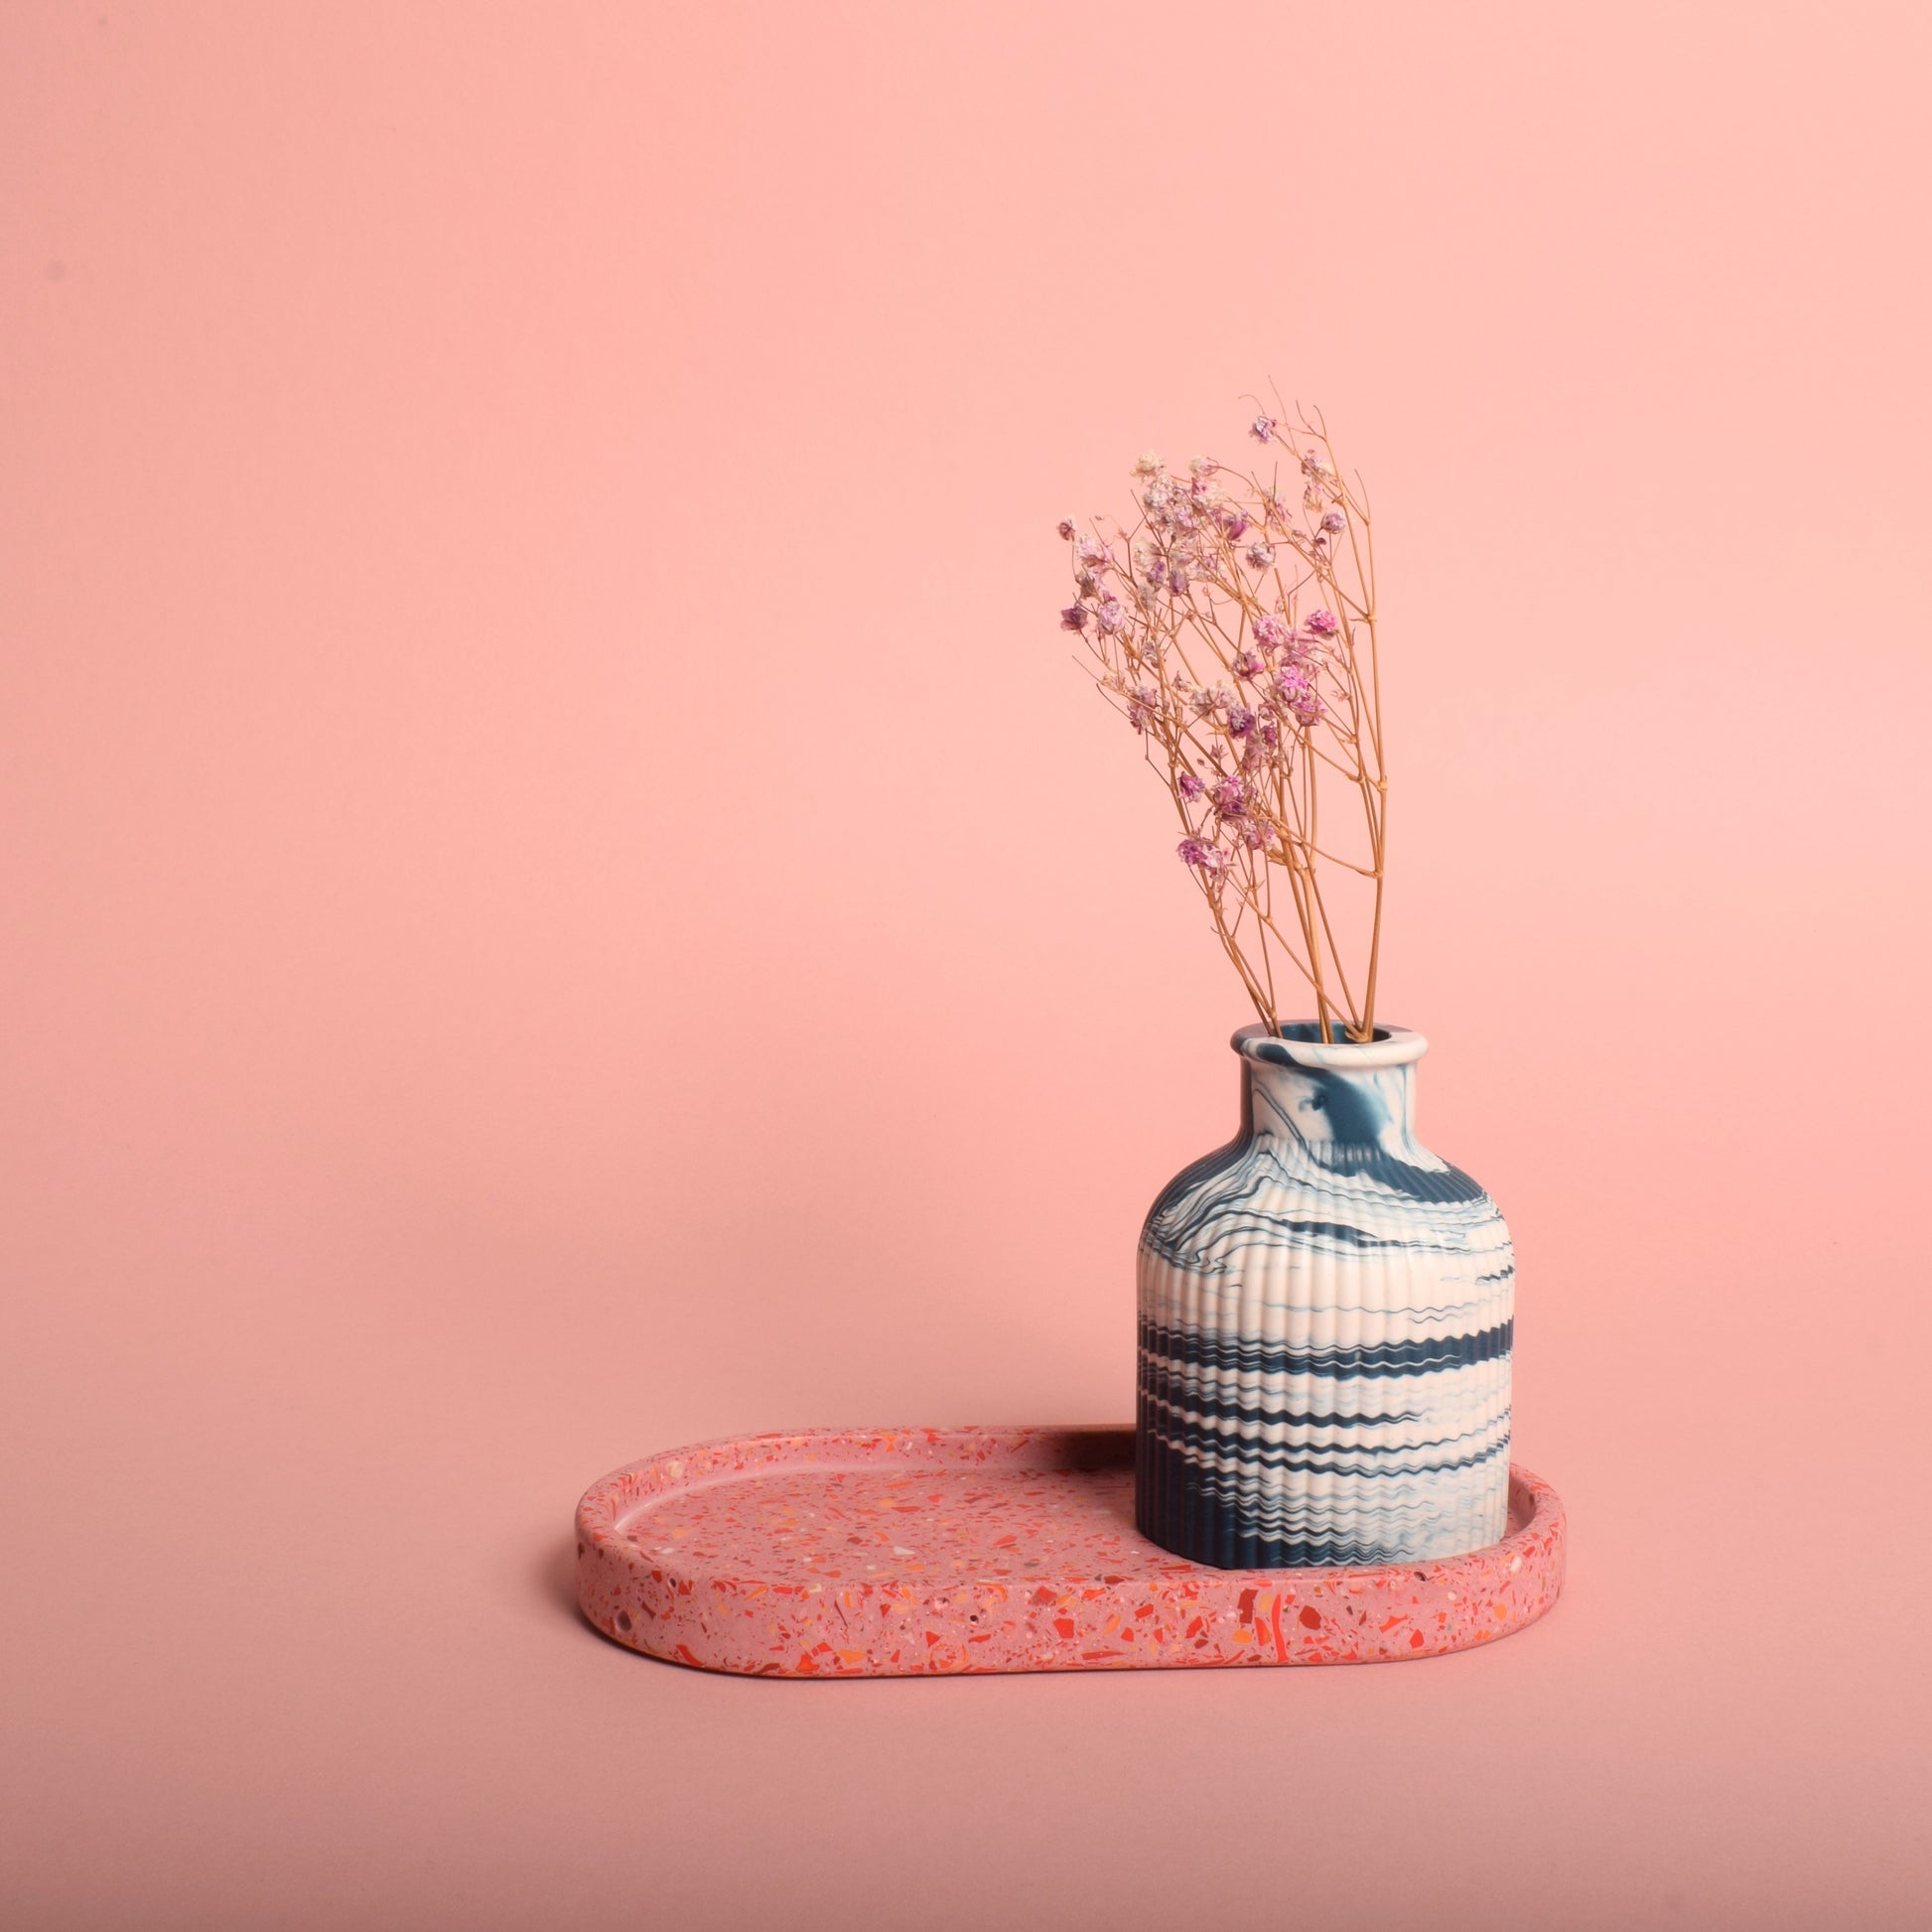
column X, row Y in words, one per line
column 1321, row 1107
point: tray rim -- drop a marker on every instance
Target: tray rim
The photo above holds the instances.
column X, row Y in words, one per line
column 591, row 1506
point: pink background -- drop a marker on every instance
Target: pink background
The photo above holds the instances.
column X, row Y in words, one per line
column 565, row 896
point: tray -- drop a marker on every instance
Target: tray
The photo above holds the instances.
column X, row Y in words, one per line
column 921, row 1552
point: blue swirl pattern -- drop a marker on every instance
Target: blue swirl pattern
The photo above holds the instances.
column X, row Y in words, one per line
column 1326, row 1323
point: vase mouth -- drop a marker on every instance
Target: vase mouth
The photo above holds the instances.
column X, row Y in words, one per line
column 1300, row 1044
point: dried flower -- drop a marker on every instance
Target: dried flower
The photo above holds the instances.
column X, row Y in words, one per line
column 1067, row 530
column 1288, row 709
column 1201, row 856
column 1298, row 696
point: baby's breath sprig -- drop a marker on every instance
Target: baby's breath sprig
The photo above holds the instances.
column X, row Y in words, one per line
column 1233, row 625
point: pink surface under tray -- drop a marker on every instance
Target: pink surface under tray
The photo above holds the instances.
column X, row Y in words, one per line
column 916, row 1552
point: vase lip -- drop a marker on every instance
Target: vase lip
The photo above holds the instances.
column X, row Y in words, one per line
column 1391, row 1047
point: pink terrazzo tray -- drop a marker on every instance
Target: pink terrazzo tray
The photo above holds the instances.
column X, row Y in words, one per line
column 918, row 1552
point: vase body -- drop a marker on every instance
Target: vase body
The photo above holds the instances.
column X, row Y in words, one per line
column 1325, row 1318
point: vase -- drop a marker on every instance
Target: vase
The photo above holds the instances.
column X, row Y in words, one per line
column 1325, row 1317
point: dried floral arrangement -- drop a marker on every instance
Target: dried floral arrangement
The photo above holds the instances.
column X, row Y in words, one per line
column 1233, row 624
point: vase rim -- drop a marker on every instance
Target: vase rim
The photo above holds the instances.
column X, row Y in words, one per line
column 1391, row 1047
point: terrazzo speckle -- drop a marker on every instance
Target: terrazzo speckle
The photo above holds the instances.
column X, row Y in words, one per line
column 922, row 1552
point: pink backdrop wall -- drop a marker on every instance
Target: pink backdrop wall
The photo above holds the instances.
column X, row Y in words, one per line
column 562, row 896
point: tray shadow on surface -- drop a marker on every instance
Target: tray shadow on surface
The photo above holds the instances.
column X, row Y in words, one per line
column 554, row 1573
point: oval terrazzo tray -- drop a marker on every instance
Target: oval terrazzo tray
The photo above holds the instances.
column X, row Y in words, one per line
column 916, row 1552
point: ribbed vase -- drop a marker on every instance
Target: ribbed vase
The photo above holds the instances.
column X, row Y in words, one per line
column 1325, row 1313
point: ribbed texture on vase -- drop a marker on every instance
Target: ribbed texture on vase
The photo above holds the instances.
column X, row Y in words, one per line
column 1325, row 1327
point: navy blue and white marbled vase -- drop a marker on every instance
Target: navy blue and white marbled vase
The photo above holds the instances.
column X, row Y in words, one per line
column 1325, row 1317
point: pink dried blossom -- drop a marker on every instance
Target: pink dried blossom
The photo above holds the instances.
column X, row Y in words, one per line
column 1091, row 554
column 1111, row 615
column 1067, row 530
column 1203, row 466
column 1259, row 556
column 1074, row 617
column 1241, row 721
column 1188, row 786
column 1323, row 623
column 1335, row 521
column 1203, row 857
column 1248, row 665
column 1263, row 428
column 1298, row 696
column 1229, row 798
column 1271, row 634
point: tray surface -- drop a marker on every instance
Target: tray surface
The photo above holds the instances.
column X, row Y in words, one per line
column 899, row 1552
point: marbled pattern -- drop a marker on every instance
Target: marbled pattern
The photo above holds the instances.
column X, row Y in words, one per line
column 912, row 1552
column 1327, row 1318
